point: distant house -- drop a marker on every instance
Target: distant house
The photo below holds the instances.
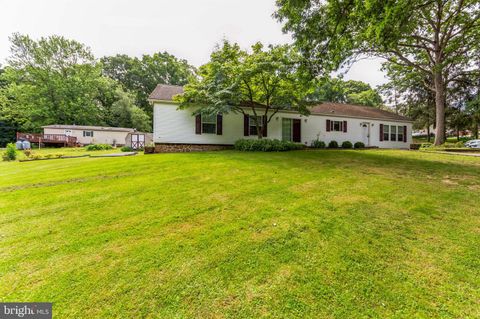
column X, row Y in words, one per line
column 327, row 122
column 100, row 135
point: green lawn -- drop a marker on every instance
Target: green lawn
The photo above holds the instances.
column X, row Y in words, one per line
column 65, row 151
column 324, row 234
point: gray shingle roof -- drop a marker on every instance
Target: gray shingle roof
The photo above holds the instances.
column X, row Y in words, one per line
column 90, row 128
column 165, row 92
column 351, row 110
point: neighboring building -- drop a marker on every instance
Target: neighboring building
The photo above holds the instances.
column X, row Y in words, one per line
column 99, row 135
column 327, row 122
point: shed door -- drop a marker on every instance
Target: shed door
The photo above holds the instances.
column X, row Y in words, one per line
column 138, row 141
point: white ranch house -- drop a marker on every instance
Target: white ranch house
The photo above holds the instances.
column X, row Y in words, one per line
column 327, row 122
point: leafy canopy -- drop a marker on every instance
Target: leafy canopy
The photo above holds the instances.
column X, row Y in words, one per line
column 141, row 76
column 57, row 80
column 438, row 38
column 352, row 92
column 264, row 80
column 52, row 80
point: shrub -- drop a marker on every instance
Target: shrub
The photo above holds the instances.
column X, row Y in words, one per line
column 426, row 145
column 266, row 145
column 359, row 145
column 415, row 146
column 347, row 144
column 11, row 153
column 333, row 144
column 318, row 144
column 98, row 147
column 459, row 144
column 126, row 149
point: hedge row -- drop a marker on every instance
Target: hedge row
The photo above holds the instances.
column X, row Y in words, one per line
column 334, row 144
column 266, row 145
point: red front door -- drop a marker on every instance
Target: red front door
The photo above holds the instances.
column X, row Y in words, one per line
column 296, row 134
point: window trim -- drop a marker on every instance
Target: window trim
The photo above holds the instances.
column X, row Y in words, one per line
column 340, row 126
column 87, row 135
column 212, row 121
column 290, row 120
column 251, row 124
column 400, row 133
column 386, row 132
column 393, row 135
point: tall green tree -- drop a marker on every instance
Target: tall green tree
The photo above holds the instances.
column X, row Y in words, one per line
column 438, row 38
column 124, row 113
column 7, row 128
column 458, row 120
column 473, row 110
column 352, row 92
column 264, row 81
column 52, row 80
column 408, row 91
column 142, row 75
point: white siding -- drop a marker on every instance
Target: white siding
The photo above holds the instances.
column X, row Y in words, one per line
column 172, row 125
column 99, row 137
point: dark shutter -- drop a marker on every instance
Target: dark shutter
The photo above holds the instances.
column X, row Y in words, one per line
column 245, row 125
column 198, row 124
column 381, row 132
column 265, row 126
column 328, row 125
column 219, row 124
column 345, row 126
column 405, row 133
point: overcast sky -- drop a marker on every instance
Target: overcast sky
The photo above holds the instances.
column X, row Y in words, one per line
column 189, row 29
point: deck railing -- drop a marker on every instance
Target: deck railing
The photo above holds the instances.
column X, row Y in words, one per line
column 47, row 138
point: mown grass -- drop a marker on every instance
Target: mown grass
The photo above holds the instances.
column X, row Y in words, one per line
column 324, row 234
column 65, row 151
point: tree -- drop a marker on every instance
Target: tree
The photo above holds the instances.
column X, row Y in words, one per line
column 409, row 92
column 458, row 120
column 52, row 80
column 264, row 81
column 7, row 129
column 352, row 92
column 473, row 110
column 438, row 38
column 142, row 75
column 124, row 113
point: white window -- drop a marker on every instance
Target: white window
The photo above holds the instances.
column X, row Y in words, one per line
column 68, row 132
column 400, row 134
column 386, row 132
column 393, row 133
column 88, row 133
column 337, row 126
column 209, row 124
column 287, row 130
column 252, row 125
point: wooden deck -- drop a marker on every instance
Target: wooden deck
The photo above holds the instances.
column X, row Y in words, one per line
column 48, row 138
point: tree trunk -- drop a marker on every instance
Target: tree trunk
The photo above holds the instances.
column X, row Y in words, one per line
column 476, row 131
column 428, row 133
column 439, row 108
column 259, row 131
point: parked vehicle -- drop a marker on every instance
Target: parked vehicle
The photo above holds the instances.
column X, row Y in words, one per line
column 473, row 144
